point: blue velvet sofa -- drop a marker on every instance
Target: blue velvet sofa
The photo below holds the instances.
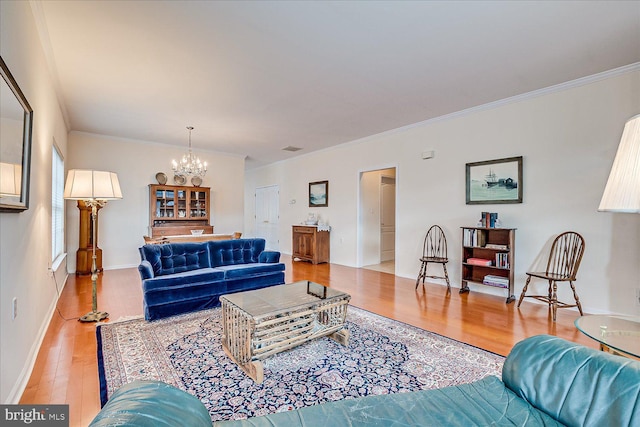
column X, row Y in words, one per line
column 184, row 277
column 546, row 381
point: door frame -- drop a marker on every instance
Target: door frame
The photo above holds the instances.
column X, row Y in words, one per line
column 359, row 225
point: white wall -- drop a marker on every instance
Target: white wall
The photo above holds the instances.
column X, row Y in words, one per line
column 568, row 138
column 25, row 238
column 123, row 223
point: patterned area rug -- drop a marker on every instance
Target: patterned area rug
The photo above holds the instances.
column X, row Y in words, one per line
column 383, row 356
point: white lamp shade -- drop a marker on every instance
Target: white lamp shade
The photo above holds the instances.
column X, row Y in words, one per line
column 10, row 179
column 92, row 185
column 622, row 193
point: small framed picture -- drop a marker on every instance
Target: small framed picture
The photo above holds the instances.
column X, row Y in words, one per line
column 494, row 181
column 319, row 194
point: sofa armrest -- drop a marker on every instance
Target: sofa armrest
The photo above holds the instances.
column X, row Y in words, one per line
column 574, row 384
column 152, row 403
column 269, row 257
column 145, row 269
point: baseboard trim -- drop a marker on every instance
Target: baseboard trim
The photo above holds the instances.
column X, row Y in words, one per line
column 27, row 370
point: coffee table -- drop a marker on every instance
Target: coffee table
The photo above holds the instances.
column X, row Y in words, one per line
column 616, row 334
column 260, row 323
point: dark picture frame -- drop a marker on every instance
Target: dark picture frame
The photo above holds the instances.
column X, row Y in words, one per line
column 15, row 156
column 494, row 181
column 319, row 194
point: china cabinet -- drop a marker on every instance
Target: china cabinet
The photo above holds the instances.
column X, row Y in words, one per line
column 176, row 210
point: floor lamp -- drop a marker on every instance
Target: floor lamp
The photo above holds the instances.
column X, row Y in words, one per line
column 622, row 193
column 95, row 188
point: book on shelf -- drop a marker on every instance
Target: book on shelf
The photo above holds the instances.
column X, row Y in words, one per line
column 497, row 281
column 497, row 246
column 479, row 261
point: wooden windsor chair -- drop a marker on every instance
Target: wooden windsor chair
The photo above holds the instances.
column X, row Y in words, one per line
column 434, row 250
column 564, row 259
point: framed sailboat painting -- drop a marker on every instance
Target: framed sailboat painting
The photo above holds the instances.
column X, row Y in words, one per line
column 494, row 181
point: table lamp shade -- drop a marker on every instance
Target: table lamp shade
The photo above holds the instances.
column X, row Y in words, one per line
column 622, row 193
column 10, row 179
column 92, row 185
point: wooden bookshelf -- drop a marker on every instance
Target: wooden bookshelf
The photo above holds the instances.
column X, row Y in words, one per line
column 496, row 245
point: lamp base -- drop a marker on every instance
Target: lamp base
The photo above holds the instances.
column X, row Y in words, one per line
column 94, row 316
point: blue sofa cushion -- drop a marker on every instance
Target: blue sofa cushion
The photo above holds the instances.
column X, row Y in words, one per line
column 574, row 384
column 483, row 403
column 189, row 278
column 176, row 257
column 152, row 404
column 237, row 251
column 248, row 270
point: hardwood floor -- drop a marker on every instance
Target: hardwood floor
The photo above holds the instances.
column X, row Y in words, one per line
column 66, row 368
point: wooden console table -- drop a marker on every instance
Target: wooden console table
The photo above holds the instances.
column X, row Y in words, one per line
column 311, row 243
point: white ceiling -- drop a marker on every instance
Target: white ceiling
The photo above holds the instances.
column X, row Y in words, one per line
column 255, row 77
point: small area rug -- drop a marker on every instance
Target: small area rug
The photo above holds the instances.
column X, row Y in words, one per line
column 383, row 356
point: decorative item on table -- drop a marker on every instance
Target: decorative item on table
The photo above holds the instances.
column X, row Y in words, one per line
column 161, row 178
column 196, row 181
column 312, row 219
column 190, row 165
column 179, row 179
column 197, row 232
column 316, row 290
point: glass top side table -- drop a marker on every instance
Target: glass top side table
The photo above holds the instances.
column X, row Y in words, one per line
column 616, row 334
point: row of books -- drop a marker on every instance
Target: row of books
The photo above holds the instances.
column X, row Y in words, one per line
column 473, row 237
column 489, row 219
column 502, row 260
column 497, row 281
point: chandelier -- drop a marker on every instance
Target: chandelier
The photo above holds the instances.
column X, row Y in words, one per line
column 190, row 164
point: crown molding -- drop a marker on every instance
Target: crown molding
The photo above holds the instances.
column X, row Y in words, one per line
column 510, row 100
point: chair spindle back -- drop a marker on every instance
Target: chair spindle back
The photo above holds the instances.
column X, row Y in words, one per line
column 566, row 254
column 435, row 243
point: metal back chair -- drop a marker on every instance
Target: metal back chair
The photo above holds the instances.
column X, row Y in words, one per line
column 564, row 260
column 434, row 250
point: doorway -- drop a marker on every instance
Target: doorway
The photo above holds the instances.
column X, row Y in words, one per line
column 377, row 220
column 268, row 215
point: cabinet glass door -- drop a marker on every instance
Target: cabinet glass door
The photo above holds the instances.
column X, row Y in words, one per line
column 165, row 203
column 197, row 204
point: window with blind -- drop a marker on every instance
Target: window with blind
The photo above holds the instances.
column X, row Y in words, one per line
column 57, row 205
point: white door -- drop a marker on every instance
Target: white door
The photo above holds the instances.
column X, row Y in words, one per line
column 387, row 218
column 267, row 215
